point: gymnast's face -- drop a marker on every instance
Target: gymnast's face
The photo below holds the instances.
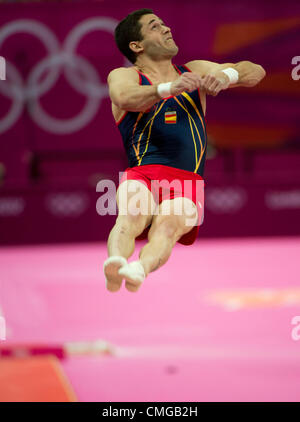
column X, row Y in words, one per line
column 157, row 38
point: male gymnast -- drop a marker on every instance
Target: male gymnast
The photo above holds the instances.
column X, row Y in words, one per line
column 159, row 109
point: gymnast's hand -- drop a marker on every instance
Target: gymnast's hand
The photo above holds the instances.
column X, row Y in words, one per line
column 188, row 82
column 213, row 83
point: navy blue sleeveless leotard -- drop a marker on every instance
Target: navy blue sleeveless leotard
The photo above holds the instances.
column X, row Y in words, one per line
column 171, row 133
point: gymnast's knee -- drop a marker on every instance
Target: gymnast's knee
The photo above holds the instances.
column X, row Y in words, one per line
column 167, row 227
column 131, row 224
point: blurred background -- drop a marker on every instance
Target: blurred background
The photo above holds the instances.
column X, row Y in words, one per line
column 58, row 139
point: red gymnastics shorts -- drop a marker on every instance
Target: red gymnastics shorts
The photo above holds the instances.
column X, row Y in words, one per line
column 190, row 185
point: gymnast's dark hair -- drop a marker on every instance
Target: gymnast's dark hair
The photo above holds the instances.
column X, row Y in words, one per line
column 129, row 29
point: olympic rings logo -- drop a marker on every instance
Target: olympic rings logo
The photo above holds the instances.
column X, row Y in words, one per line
column 2, row 69
column 226, row 200
column 59, row 58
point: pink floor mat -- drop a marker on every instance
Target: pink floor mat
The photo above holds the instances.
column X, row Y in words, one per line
column 213, row 324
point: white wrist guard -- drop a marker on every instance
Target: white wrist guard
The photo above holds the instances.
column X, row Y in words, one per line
column 164, row 90
column 232, row 74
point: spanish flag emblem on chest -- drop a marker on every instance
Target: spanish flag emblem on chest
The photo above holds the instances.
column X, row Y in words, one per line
column 170, row 117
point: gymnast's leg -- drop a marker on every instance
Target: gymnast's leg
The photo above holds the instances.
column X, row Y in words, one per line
column 132, row 219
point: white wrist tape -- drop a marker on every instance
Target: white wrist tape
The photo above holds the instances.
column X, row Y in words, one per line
column 232, row 74
column 164, row 89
